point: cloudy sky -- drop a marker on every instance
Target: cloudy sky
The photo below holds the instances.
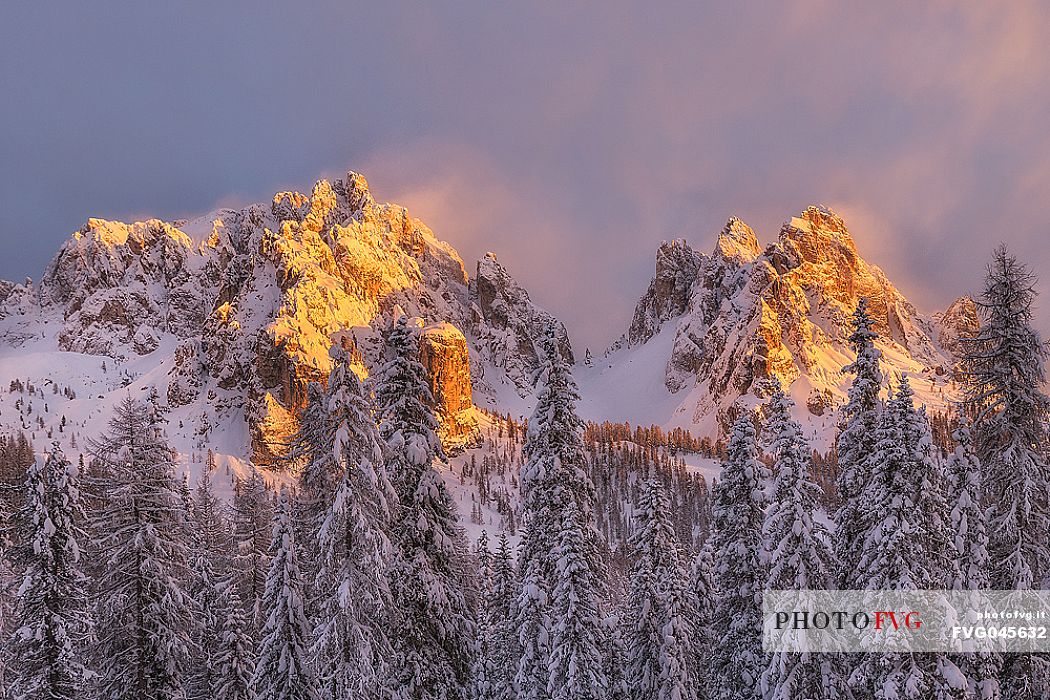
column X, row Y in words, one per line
column 569, row 140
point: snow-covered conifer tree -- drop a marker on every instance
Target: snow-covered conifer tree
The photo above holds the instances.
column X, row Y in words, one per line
column 501, row 610
column 970, row 540
column 701, row 596
column 434, row 630
column 1005, row 369
column 739, row 575
column 856, row 445
column 576, row 668
column 142, row 610
column 311, row 456
column 210, row 550
column 968, row 517
column 48, row 645
column 483, row 668
column 283, row 670
column 907, row 545
column 615, row 654
column 354, row 603
column 533, row 623
column 797, row 550
column 252, row 526
column 658, row 636
column 553, row 484
column 235, row 662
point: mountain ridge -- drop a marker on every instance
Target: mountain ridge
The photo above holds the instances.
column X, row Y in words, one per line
column 235, row 313
column 742, row 315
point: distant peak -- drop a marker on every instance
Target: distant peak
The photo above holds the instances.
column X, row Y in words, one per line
column 817, row 218
column 737, row 242
column 357, row 193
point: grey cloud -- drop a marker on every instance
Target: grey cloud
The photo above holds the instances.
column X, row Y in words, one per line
column 569, row 138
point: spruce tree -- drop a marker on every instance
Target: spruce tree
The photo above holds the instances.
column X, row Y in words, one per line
column 433, row 630
column 615, row 653
column 354, row 603
column 970, row 541
column 739, row 575
column 1005, row 370
column 235, row 662
column 283, row 671
column 142, row 610
column 556, row 493
column 252, row 527
column 500, row 610
column 659, row 643
column 483, row 670
column 797, row 550
column 210, row 551
column 310, row 455
column 533, row 622
column 856, row 445
column 907, row 546
column 702, row 596
column 576, row 669
column 49, row 642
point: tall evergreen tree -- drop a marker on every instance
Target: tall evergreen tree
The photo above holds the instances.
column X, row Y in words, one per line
column 235, row 662
column 354, row 602
column 856, row 445
column 659, row 637
column 311, row 456
column 907, row 546
column 969, row 529
column 252, row 527
column 483, row 671
column 210, row 555
column 615, row 653
column 500, row 609
column 557, row 494
column 142, row 610
column 1005, row 370
column 576, row 669
column 283, row 671
column 798, row 552
column 702, row 596
column 434, row 629
column 49, row 641
column 739, row 574
column 533, row 623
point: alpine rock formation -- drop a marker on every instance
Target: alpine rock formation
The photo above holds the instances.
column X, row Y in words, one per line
column 712, row 329
column 231, row 315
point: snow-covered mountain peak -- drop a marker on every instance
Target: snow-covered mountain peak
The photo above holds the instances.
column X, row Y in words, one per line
column 726, row 322
column 737, row 242
column 234, row 312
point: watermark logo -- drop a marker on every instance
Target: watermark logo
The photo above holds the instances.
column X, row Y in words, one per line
column 905, row 621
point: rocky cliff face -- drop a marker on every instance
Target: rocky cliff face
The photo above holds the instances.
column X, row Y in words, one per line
column 247, row 302
column 743, row 315
column 508, row 324
column 444, row 352
column 677, row 266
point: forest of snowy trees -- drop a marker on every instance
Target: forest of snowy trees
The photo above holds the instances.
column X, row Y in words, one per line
column 629, row 579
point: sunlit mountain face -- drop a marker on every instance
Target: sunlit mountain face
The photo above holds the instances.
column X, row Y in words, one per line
column 229, row 317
